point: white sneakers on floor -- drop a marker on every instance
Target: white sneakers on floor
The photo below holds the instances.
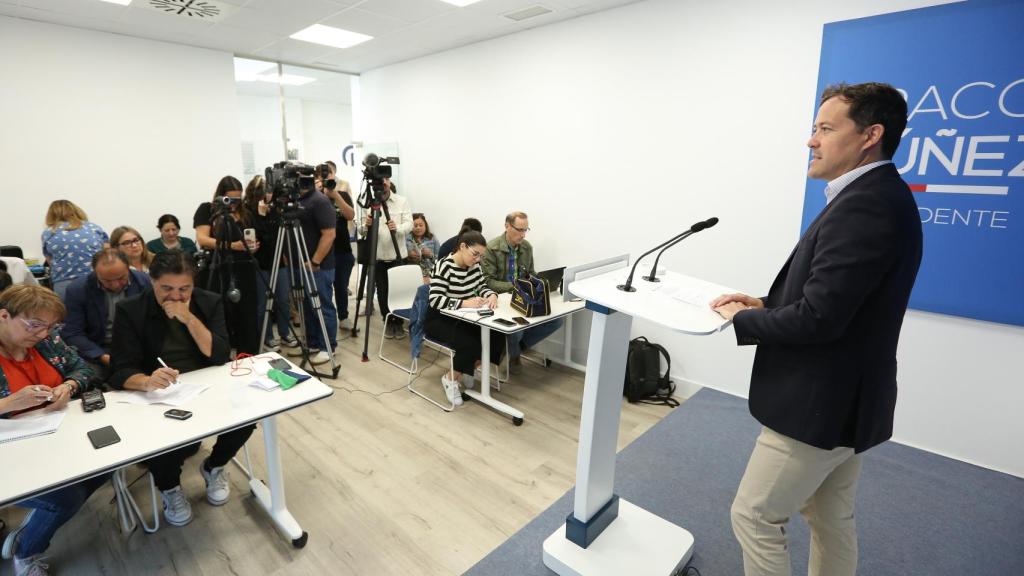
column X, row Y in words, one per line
column 218, row 489
column 31, row 566
column 177, row 510
column 451, row 390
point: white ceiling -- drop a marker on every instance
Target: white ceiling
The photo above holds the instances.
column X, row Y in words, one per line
column 402, row 29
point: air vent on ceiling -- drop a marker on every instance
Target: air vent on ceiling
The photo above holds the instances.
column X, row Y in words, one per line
column 205, row 10
column 532, row 11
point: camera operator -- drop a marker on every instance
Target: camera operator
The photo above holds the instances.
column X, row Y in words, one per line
column 222, row 221
column 318, row 228
column 401, row 224
column 341, row 196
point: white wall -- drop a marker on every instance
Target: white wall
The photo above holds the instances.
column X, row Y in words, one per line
column 616, row 130
column 126, row 128
column 328, row 129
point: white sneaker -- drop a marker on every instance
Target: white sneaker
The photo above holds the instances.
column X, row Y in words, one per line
column 320, row 357
column 289, row 342
column 218, row 489
column 468, row 381
column 295, row 352
column 11, row 542
column 177, row 510
column 451, row 390
column 272, row 345
column 31, row 566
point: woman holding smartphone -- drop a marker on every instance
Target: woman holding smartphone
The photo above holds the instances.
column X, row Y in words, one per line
column 220, row 227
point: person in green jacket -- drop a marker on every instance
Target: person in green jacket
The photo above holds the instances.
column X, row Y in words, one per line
column 508, row 257
column 169, row 240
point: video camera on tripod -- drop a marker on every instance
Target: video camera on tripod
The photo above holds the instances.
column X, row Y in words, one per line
column 375, row 170
column 286, row 182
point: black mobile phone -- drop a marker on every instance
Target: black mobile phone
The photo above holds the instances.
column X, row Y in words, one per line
column 280, row 364
column 520, row 320
column 486, row 312
column 105, row 436
column 178, row 414
column 505, row 322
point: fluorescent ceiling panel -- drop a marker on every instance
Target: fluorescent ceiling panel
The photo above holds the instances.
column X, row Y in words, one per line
column 460, row 2
column 329, row 36
column 121, row 2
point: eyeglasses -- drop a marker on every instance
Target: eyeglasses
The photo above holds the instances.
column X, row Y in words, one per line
column 35, row 326
column 476, row 254
column 520, row 230
column 131, row 242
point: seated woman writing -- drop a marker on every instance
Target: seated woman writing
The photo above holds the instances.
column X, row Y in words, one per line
column 458, row 283
column 38, row 371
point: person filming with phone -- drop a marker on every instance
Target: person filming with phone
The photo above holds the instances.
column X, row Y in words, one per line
column 172, row 329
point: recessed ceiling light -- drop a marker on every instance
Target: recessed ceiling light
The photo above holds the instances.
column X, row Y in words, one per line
column 285, row 79
column 461, row 2
column 330, row 36
column 121, row 2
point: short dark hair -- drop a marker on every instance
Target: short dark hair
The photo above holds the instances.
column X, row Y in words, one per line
column 165, row 219
column 109, row 255
column 873, row 103
column 471, row 224
column 471, row 238
column 172, row 262
column 332, row 165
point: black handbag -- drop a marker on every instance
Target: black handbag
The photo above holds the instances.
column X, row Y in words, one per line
column 530, row 296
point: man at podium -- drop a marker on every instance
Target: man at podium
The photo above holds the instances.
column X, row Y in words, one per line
column 823, row 382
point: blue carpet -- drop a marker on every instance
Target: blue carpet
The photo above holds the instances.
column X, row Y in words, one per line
column 918, row 514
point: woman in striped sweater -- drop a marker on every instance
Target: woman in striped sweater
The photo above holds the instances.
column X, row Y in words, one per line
column 458, row 283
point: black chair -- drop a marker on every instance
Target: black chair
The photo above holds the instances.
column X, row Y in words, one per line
column 14, row 251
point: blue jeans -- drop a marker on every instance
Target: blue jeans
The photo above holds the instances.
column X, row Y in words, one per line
column 342, row 275
column 280, row 315
column 50, row 512
column 61, row 288
column 325, row 286
column 530, row 337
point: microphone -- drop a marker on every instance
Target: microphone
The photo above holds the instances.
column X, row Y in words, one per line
column 628, row 286
column 693, row 230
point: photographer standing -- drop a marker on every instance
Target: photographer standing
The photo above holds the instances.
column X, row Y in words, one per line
column 219, row 228
column 341, row 196
column 401, row 224
column 318, row 229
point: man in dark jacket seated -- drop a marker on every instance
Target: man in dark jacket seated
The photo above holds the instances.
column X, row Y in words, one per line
column 91, row 301
column 184, row 326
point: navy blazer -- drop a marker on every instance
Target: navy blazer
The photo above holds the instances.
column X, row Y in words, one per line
column 86, row 319
column 139, row 333
column 825, row 368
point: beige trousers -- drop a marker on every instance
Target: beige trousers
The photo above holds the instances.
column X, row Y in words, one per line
column 783, row 476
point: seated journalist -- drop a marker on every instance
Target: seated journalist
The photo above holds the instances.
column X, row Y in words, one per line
column 184, row 326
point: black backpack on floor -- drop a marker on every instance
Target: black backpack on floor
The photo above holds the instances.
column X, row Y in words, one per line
column 644, row 381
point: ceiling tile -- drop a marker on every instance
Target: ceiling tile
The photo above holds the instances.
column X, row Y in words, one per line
column 289, row 50
column 284, row 18
column 92, row 10
column 237, row 40
column 357, row 20
column 407, row 10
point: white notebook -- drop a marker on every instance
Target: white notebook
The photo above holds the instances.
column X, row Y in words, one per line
column 29, row 425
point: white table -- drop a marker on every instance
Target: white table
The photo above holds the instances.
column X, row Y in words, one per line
column 38, row 465
column 605, row 535
column 559, row 309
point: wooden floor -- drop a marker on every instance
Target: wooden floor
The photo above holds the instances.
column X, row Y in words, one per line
column 384, row 482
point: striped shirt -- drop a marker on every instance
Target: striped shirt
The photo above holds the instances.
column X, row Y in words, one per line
column 836, row 186
column 451, row 284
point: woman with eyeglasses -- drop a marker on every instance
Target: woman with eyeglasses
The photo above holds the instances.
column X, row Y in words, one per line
column 422, row 246
column 169, row 239
column 69, row 241
column 38, row 371
column 129, row 242
column 457, row 282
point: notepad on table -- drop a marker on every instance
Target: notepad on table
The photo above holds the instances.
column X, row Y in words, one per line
column 29, row 425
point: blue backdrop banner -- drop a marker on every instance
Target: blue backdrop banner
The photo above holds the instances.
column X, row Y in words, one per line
column 961, row 68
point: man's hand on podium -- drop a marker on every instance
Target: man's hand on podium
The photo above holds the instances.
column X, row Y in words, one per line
column 727, row 305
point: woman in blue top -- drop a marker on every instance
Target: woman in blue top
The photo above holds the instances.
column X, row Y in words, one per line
column 422, row 246
column 69, row 243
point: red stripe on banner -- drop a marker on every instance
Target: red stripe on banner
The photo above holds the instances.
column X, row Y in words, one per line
column 918, row 187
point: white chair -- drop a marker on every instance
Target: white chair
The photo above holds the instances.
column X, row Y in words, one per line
column 402, row 284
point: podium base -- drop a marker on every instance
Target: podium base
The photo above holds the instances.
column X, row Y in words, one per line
column 637, row 543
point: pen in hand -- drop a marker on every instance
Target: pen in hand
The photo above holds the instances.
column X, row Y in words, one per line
column 164, row 364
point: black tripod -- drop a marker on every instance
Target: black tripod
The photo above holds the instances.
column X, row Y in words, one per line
column 371, row 199
column 289, row 234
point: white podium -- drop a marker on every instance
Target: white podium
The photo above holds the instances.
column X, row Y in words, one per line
column 605, row 535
